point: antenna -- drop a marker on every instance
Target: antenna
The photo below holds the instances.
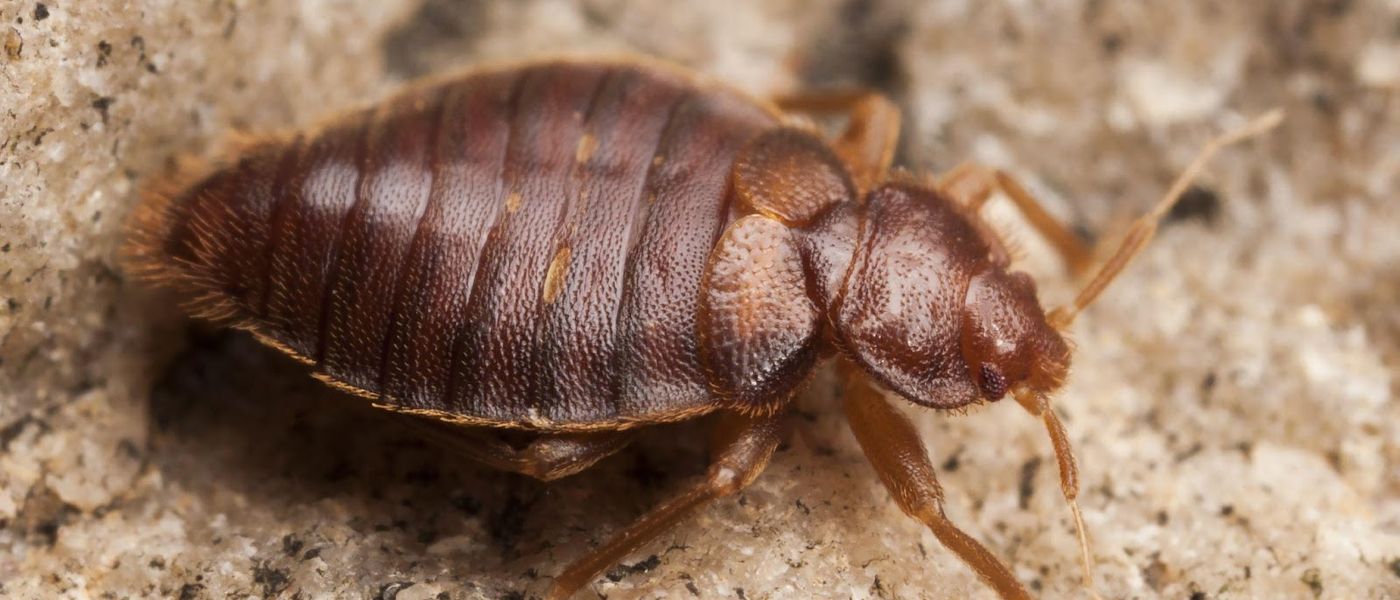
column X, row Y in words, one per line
column 1146, row 226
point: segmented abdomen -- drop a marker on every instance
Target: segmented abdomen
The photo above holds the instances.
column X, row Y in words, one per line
column 519, row 246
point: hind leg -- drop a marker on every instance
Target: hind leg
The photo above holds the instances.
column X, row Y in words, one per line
column 547, row 457
column 742, row 447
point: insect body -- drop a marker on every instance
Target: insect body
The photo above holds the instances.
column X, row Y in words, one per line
column 579, row 248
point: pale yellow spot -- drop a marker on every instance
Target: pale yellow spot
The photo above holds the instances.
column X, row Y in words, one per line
column 586, row 145
column 657, row 160
column 513, row 200
column 554, row 278
column 651, row 198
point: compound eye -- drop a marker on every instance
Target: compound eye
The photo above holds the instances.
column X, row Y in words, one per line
column 993, row 382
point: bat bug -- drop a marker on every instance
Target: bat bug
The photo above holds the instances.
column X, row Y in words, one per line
column 578, row 248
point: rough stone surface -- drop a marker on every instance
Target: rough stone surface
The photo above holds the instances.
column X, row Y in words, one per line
column 1233, row 402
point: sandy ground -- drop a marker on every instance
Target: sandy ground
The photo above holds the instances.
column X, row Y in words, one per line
column 1233, row 402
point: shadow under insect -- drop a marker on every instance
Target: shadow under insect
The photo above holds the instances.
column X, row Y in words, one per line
column 250, row 430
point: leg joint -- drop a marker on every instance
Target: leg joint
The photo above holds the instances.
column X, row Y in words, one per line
column 724, row 480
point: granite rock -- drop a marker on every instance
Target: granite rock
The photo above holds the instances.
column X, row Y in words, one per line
column 1233, row 402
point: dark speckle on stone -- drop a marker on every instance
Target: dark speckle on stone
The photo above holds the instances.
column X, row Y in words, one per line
column 954, row 461
column 1324, row 103
column 310, row 554
column 1189, row 452
column 41, row 12
column 1027, row 488
column 190, row 591
column 622, row 571
column 272, row 581
column 513, row 595
column 129, row 449
column 1313, row 579
column 1197, row 202
column 1245, row 447
column 740, row 593
column 48, row 531
column 1198, row 595
column 1112, row 43
column 391, row 590
column 291, row 545
column 102, row 104
column 104, row 52
column 1154, row 572
column 139, row 43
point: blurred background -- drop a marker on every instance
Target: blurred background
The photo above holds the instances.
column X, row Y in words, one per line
column 1233, row 399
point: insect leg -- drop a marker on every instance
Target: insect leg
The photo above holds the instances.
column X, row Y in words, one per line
column 894, row 449
column 872, row 129
column 972, row 184
column 549, row 457
column 742, row 445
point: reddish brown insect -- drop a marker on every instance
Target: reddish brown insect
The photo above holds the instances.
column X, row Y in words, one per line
column 580, row 248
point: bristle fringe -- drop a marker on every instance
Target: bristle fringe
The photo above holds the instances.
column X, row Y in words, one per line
column 152, row 223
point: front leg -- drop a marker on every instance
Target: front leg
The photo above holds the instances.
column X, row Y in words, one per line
column 893, row 447
column 742, row 447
